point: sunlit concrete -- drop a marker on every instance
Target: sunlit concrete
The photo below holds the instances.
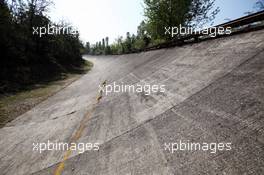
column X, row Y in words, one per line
column 214, row 93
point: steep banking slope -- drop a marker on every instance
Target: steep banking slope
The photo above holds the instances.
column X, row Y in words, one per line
column 214, row 93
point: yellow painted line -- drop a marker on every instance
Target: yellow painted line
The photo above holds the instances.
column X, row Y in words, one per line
column 78, row 133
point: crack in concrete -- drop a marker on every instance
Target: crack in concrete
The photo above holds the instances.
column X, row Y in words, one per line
column 79, row 132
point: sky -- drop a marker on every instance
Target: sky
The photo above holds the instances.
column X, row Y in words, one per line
column 233, row 9
column 96, row 19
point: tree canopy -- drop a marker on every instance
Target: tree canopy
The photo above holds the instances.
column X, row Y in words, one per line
column 158, row 15
column 27, row 58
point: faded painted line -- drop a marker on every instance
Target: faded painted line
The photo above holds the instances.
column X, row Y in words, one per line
column 79, row 132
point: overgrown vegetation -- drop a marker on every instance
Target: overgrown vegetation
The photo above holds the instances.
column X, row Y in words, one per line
column 13, row 105
column 158, row 15
column 27, row 58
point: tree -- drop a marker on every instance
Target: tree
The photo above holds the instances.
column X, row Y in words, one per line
column 143, row 37
column 120, row 45
column 87, row 48
column 127, row 43
column 133, row 41
column 107, row 41
column 142, row 29
column 168, row 13
column 107, row 48
column 103, row 43
column 160, row 14
column 100, row 45
column 27, row 58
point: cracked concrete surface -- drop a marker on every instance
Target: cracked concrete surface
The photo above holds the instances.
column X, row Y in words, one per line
column 214, row 93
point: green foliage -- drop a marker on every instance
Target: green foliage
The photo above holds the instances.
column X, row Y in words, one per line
column 28, row 58
column 87, row 48
column 160, row 14
column 168, row 13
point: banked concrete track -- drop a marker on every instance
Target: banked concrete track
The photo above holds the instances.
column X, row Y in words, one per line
column 214, row 93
